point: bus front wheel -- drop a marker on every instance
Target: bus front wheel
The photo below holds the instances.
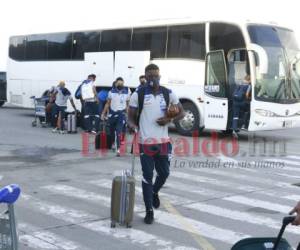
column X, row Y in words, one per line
column 2, row 103
column 190, row 123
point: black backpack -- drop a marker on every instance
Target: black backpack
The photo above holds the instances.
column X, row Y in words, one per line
column 141, row 95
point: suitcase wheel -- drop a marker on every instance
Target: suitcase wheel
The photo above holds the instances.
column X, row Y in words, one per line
column 112, row 224
column 128, row 225
column 33, row 124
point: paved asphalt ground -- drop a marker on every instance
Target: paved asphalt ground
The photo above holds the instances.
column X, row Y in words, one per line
column 65, row 202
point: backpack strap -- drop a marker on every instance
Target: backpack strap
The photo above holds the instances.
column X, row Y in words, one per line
column 141, row 96
column 166, row 94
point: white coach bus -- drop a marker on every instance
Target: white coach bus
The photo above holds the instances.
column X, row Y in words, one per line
column 200, row 61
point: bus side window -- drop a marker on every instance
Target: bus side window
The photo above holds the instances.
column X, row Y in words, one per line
column 150, row 39
column 115, row 40
column 36, row 48
column 85, row 42
column 17, row 48
column 186, row 41
column 59, row 46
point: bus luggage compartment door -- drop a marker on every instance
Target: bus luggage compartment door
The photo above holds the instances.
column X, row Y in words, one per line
column 130, row 65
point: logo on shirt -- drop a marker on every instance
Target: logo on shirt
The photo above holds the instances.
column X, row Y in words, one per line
column 162, row 103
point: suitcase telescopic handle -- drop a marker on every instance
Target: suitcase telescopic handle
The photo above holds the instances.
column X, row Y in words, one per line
column 285, row 221
column 133, row 152
column 288, row 219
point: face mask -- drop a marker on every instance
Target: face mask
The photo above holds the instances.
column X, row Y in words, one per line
column 153, row 83
column 119, row 87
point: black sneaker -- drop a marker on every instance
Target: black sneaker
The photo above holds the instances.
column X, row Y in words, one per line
column 149, row 218
column 155, row 201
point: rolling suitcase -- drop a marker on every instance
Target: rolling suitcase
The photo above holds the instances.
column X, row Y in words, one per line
column 271, row 243
column 103, row 139
column 72, row 123
column 122, row 197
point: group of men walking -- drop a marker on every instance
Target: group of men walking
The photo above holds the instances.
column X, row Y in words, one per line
column 143, row 111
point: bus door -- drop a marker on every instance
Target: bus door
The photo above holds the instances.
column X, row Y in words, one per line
column 238, row 68
column 216, row 91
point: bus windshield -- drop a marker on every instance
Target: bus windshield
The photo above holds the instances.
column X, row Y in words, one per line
column 277, row 79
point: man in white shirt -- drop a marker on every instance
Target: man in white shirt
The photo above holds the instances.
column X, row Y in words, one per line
column 150, row 104
column 116, row 107
column 61, row 95
column 90, row 104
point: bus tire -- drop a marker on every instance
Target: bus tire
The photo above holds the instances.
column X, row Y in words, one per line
column 2, row 103
column 190, row 123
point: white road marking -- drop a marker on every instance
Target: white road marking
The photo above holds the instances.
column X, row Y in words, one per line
column 44, row 239
column 295, row 157
column 206, row 230
column 293, row 197
column 76, row 216
column 213, row 181
column 259, row 203
column 246, row 177
column 218, row 211
column 240, row 216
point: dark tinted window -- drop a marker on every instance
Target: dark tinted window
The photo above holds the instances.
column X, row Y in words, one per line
column 152, row 39
column 2, row 76
column 226, row 37
column 187, row 41
column 215, row 82
column 115, row 40
column 269, row 36
column 59, row 46
column 17, row 48
column 85, row 42
column 36, row 47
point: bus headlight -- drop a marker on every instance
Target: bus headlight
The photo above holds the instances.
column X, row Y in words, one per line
column 266, row 113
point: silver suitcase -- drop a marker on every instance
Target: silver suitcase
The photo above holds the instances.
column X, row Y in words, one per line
column 72, row 126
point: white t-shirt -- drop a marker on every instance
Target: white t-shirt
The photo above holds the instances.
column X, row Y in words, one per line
column 62, row 96
column 119, row 99
column 154, row 107
column 87, row 91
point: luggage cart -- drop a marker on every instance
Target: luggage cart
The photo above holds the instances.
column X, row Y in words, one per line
column 40, row 111
column 8, row 229
column 271, row 243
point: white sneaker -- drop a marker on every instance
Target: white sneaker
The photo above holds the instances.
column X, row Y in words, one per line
column 62, row 132
column 235, row 134
column 55, row 130
column 118, row 153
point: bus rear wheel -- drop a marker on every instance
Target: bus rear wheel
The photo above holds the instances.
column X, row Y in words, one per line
column 2, row 103
column 190, row 123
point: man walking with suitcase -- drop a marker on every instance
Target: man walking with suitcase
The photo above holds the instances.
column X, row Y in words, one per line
column 116, row 108
column 147, row 112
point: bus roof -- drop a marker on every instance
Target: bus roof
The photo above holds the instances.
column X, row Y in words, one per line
column 167, row 21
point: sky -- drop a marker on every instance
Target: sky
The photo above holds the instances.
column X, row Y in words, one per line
column 39, row 16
